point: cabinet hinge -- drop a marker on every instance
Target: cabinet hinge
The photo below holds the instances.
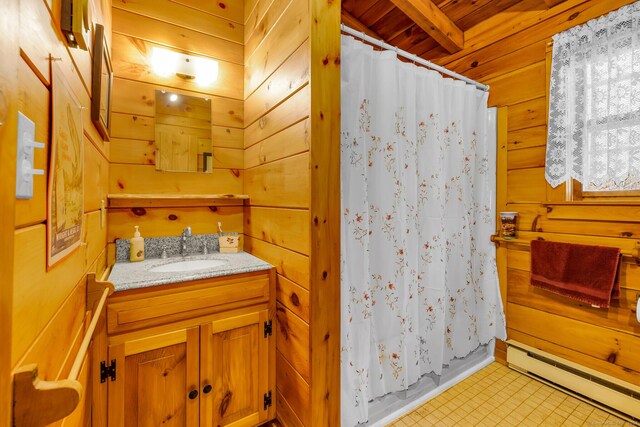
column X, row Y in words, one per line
column 107, row 371
column 268, row 329
column 267, row 400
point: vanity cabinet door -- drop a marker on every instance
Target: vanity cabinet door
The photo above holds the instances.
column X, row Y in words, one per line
column 156, row 381
column 235, row 355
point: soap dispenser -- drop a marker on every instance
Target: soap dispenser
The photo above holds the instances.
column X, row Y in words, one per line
column 136, row 247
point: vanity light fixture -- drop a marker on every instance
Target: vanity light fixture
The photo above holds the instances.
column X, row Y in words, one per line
column 165, row 63
column 173, row 97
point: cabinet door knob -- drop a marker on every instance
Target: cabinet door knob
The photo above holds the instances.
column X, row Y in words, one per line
column 193, row 394
column 207, row 389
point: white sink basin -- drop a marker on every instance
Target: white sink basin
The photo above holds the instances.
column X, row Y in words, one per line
column 181, row 266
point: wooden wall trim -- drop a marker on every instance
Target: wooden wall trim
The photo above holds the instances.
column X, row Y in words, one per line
column 9, row 92
column 325, row 213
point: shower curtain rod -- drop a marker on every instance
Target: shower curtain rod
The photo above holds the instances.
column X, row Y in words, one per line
column 412, row 57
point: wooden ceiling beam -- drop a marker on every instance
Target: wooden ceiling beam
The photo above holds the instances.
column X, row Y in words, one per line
column 551, row 3
column 432, row 20
column 351, row 21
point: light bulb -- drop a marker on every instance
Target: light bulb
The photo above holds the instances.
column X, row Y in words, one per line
column 163, row 61
column 173, row 97
column 206, row 71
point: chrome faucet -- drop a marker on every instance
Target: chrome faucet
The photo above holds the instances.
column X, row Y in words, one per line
column 185, row 233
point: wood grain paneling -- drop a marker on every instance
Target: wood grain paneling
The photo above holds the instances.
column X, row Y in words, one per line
column 293, row 110
column 288, row 142
column 292, row 30
column 96, row 177
column 508, row 89
column 283, row 183
column 178, row 13
column 262, row 19
column 145, row 179
column 183, row 38
column 287, row 228
column 293, row 297
column 526, row 185
column 47, row 308
column 292, row 341
column 276, row 178
column 289, row 264
column 526, row 158
column 528, row 114
column 526, row 138
column 286, row 80
column 159, row 222
column 294, row 390
column 9, row 84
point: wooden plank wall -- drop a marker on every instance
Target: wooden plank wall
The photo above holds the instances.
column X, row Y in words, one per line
column 277, row 179
column 291, row 140
column 8, row 131
column 213, row 30
column 49, row 307
column 510, row 56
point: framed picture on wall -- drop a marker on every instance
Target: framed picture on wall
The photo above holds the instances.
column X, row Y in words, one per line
column 65, row 192
column 102, row 76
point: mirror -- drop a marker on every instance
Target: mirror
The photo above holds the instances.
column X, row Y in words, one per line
column 183, row 133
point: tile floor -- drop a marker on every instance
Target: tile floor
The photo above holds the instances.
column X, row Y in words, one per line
column 499, row 396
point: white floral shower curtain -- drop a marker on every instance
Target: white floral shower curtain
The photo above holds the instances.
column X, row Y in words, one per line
column 419, row 280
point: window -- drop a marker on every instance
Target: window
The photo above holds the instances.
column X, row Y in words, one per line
column 594, row 105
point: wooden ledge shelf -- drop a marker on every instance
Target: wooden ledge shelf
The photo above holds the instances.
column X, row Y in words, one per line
column 171, row 200
column 498, row 240
column 633, row 203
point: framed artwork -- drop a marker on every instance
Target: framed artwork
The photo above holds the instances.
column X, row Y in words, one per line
column 102, row 76
column 65, row 192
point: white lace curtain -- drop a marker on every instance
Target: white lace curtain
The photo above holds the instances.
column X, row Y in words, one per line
column 594, row 103
column 418, row 274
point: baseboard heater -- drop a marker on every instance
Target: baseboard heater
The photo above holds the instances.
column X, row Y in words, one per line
column 595, row 387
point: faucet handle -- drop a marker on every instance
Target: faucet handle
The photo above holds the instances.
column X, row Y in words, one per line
column 164, row 252
column 187, row 232
column 205, row 250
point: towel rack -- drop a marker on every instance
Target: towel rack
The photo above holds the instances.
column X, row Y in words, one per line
column 631, row 253
column 38, row 402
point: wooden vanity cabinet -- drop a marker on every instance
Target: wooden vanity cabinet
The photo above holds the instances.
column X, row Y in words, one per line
column 216, row 368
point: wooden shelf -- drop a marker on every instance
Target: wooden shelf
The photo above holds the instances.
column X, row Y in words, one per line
column 171, row 200
column 631, row 253
column 497, row 239
column 594, row 203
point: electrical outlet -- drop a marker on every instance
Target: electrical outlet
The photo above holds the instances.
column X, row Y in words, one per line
column 24, row 157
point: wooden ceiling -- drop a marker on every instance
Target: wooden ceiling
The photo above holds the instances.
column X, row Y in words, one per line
column 431, row 29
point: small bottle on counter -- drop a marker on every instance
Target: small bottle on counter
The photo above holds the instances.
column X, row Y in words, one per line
column 136, row 245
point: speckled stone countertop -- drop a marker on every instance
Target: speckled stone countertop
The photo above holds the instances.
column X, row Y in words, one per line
column 127, row 275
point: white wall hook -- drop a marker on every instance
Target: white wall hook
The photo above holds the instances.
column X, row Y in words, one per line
column 24, row 166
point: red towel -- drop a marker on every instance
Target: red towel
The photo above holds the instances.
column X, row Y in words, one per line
column 580, row 272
